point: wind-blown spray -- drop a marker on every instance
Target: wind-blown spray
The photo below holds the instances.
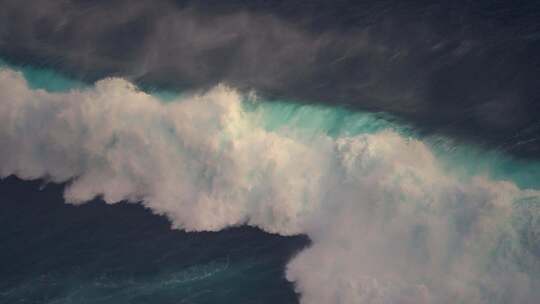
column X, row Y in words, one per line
column 389, row 221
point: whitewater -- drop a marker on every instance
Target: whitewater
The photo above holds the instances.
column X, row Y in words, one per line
column 393, row 216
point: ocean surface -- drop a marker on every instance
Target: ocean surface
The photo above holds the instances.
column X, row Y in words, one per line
column 97, row 253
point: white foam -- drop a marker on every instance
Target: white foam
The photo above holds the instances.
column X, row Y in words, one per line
column 388, row 224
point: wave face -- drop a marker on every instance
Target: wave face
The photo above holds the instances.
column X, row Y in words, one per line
column 393, row 217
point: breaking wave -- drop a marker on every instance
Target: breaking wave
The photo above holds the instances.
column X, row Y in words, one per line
column 394, row 217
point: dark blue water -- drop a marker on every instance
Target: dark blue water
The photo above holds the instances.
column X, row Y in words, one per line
column 52, row 252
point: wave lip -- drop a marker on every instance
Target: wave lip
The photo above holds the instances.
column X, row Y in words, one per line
column 390, row 223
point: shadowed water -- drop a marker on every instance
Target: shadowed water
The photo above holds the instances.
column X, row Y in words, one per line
column 96, row 253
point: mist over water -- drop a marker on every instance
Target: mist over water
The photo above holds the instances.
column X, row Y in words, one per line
column 393, row 216
column 449, row 67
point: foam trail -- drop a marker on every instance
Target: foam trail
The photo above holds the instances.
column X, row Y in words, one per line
column 390, row 220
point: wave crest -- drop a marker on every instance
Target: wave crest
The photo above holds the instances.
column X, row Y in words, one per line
column 389, row 222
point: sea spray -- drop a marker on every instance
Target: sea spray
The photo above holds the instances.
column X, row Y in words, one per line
column 394, row 217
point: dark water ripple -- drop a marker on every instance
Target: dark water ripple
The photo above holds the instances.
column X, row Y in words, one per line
column 97, row 253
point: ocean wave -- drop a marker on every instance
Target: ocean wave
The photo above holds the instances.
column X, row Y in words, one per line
column 393, row 217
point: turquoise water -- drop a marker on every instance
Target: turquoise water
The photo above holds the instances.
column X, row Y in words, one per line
column 458, row 158
column 45, row 79
column 313, row 120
